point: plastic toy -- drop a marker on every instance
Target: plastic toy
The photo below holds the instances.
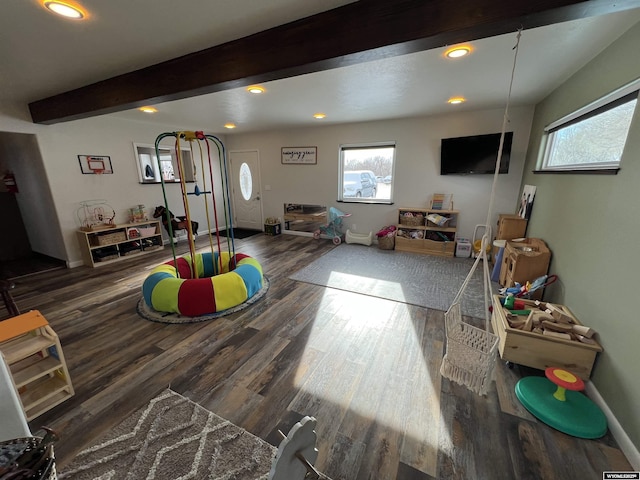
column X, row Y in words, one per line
column 334, row 227
column 556, row 400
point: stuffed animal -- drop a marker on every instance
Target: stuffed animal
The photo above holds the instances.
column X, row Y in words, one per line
column 177, row 223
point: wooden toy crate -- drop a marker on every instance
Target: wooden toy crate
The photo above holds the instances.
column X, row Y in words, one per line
column 524, row 262
column 540, row 351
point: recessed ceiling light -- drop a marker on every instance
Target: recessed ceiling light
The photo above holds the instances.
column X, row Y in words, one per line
column 319, row 115
column 65, row 9
column 255, row 89
column 457, row 52
column 229, row 125
column 456, row 100
column 148, row 109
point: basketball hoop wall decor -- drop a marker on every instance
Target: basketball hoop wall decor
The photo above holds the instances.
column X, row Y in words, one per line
column 95, row 164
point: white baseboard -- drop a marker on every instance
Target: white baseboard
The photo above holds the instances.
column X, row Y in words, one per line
column 74, row 264
column 300, row 234
column 625, row 443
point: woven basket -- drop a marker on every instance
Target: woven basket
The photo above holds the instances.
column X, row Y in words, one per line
column 413, row 221
column 110, row 238
column 147, row 231
column 471, row 353
column 386, row 243
column 10, row 450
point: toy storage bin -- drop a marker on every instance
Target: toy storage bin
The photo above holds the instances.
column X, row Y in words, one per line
column 541, row 351
column 413, row 220
column 524, row 262
column 147, row 231
column 387, row 242
column 272, row 229
column 109, row 238
column 463, row 248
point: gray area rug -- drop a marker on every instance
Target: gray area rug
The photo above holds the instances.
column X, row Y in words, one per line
column 173, row 437
column 424, row 280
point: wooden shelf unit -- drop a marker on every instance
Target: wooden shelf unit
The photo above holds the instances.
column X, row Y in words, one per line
column 100, row 247
column 427, row 237
column 34, row 355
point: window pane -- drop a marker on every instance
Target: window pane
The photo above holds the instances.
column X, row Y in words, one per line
column 166, row 162
column 246, row 183
column 595, row 141
column 367, row 174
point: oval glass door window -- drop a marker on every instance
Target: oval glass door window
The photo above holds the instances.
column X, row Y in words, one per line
column 246, row 183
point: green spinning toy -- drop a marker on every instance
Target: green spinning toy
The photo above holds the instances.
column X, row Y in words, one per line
column 556, row 400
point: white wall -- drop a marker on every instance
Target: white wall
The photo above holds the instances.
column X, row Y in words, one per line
column 60, row 146
column 20, row 154
column 416, row 172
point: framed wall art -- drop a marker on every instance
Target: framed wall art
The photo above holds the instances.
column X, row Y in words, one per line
column 299, row 155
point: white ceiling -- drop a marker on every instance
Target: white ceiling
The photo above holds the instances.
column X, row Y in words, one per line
column 42, row 55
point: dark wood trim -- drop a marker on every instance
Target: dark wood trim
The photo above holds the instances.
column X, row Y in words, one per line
column 589, row 171
column 358, row 32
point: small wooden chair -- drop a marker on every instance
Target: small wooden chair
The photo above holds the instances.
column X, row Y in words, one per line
column 5, row 287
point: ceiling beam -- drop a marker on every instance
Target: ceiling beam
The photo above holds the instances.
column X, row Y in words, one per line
column 362, row 31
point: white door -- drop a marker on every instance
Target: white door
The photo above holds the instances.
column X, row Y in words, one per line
column 245, row 189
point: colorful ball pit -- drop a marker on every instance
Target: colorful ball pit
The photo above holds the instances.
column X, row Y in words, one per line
column 221, row 283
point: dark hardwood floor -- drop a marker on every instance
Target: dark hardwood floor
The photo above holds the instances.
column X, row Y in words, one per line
column 366, row 368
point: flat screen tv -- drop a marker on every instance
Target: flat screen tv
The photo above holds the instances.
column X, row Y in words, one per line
column 476, row 154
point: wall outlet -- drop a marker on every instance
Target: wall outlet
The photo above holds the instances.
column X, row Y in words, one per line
column 353, row 227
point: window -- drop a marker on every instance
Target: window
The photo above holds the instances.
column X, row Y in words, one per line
column 366, row 173
column 592, row 138
column 246, row 182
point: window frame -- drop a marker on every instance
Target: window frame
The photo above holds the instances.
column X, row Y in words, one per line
column 341, row 172
column 141, row 149
column 608, row 102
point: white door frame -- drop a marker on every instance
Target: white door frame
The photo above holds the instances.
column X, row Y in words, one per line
column 258, row 182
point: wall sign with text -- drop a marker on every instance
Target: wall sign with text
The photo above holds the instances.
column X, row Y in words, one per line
column 299, row 155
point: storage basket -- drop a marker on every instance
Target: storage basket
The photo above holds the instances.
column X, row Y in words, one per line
column 110, row 238
column 147, row 231
column 471, row 353
column 386, row 242
column 417, row 219
column 107, row 258
column 11, row 450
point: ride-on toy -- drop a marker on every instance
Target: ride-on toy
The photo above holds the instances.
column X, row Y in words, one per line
column 334, row 227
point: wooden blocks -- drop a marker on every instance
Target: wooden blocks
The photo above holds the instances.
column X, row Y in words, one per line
column 540, row 340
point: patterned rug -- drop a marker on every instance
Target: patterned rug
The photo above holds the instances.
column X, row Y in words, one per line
column 145, row 311
column 424, row 280
column 173, row 438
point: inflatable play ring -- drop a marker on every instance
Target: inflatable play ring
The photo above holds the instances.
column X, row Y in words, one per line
column 220, row 284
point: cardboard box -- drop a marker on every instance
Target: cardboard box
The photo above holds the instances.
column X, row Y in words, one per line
column 541, row 351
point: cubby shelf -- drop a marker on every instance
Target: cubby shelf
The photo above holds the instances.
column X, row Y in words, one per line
column 417, row 234
column 107, row 245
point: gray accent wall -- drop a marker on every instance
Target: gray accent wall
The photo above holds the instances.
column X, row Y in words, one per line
column 592, row 225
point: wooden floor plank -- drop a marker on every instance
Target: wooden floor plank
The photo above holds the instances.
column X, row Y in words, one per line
column 366, row 367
